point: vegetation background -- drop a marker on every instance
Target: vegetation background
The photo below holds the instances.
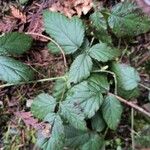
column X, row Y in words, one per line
column 18, row 127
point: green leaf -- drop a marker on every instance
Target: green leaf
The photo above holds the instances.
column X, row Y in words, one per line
column 102, row 52
column 142, row 138
column 95, row 142
column 126, row 20
column 73, row 115
column 59, row 89
column 23, row 1
column 99, row 25
column 57, row 137
column 74, row 137
column 80, row 68
column 99, row 82
column 127, row 76
column 88, row 98
column 97, row 122
column 13, row 71
column 112, row 110
column 69, row 33
column 14, row 43
column 53, row 48
column 42, row 105
column 129, row 94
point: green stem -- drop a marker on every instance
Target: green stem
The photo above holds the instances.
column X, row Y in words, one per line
column 35, row 81
column 106, row 132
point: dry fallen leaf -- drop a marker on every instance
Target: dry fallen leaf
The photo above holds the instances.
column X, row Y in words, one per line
column 72, row 7
column 18, row 14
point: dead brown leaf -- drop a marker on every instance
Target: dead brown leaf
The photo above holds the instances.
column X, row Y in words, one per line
column 7, row 24
column 18, row 14
column 28, row 119
column 72, row 7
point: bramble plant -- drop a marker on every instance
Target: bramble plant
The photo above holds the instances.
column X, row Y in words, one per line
column 84, row 102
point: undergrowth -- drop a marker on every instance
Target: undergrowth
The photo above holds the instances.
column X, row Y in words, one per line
column 86, row 101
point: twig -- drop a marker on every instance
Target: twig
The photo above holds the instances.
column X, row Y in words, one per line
column 136, row 107
column 48, row 38
column 35, row 81
column 132, row 129
column 142, row 85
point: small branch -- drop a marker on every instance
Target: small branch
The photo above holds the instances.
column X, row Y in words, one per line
column 50, row 39
column 132, row 129
column 142, row 85
column 29, row 82
column 132, row 105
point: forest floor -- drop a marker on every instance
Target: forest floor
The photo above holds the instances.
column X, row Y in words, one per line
column 17, row 130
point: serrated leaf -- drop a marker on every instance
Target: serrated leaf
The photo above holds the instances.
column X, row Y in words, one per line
column 74, row 137
column 56, row 139
column 60, row 88
column 42, row 105
column 69, row 33
column 99, row 25
column 99, row 82
column 14, row 43
column 94, row 143
column 127, row 76
column 102, row 52
column 98, row 21
column 73, row 115
column 80, row 68
column 129, row 94
column 112, row 110
column 143, row 137
column 97, row 122
column 88, row 98
column 13, row 71
column 126, row 20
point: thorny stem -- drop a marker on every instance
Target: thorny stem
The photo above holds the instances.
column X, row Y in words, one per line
column 132, row 105
column 35, row 81
column 48, row 38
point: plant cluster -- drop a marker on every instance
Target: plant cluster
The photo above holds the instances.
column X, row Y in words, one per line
column 83, row 104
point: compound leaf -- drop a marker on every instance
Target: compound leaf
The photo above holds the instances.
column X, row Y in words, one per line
column 99, row 25
column 112, row 110
column 87, row 97
column 42, row 105
column 97, row 122
column 13, row 71
column 74, row 115
column 99, row 82
column 59, row 89
column 80, row 68
column 126, row 20
column 127, row 76
column 69, row 33
column 14, row 43
column 95, row 142
column 57, row 137
column 102, row 52
column 74, row 137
